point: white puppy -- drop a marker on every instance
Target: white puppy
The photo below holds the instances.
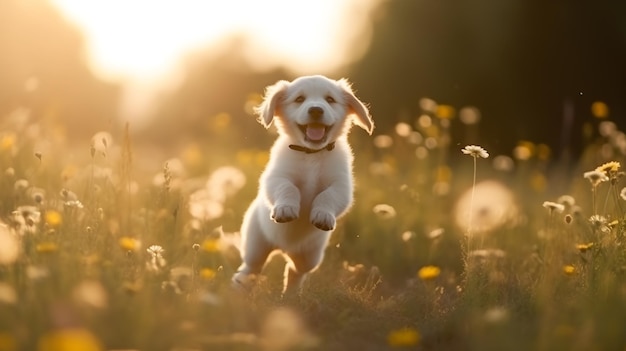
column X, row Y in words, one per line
column 307, row 183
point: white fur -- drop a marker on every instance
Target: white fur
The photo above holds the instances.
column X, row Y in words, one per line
column 301, row 195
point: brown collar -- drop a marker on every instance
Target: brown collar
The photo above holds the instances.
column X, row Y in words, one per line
column 306, row 150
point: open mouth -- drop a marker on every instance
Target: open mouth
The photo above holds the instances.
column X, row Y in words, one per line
column 314, row 132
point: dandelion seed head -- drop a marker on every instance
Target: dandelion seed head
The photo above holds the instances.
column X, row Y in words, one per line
column 568, row 218
column 407, row 235
column 225, row 182
column 607, row 128
column 566, row 200
column 475, row 151
column 494, row 206
column 424, row 121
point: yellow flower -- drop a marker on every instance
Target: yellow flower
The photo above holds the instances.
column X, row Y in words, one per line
column 428, row 272
column 53, row 218
column 569, row 269
column 445, row 111
column 207, row 273
column 599, row 109
column 584, row 247
column 211, row 245
column 129, row 244
column 69, row 340
column 403, row 337
column 46, row 247
column 609, row 167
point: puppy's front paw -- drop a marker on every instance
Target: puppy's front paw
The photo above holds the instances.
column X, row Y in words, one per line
column 323, row 220
column 284, row 213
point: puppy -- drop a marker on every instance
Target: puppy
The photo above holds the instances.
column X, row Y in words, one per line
column 307, row 183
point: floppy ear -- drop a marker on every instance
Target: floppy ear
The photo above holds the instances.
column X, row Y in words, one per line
column 271, row 101
column 357, row 108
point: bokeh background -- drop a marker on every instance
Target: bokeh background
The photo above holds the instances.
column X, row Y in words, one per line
column 176, row 71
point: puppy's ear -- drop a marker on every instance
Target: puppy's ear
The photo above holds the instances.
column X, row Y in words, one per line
column 271, row 103
column 356, row 107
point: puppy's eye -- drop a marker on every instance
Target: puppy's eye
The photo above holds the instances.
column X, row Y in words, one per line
column 299, row 99
column 330, row 99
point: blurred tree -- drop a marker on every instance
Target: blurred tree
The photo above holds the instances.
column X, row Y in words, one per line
column 42, row 67
column 522, row 63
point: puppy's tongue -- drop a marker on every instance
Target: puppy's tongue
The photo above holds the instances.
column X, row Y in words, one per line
column 315, row 132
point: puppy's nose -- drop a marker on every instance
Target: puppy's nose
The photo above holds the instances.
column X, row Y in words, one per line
column 316, row 112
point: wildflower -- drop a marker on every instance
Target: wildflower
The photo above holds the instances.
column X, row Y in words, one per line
column 445, row 112
column 569, row 269
column 157, row 261
column 600, row 223
column 584, row 247
column 155, row 251
column 38, row 195
column 568, row 218
column 553, row 207
column 436, row 233
column 403, row 337
column 609, row 167
column 129, row 244
column 596, row 177
column 46, row 247
column 599, row 109
column 207, row 273
column 53, row 218
column 475, row 151
column 493, row 206
column 384, row 211
column 73, row 204
column 211, row 245
column 428, row 272
column 196, row 247
column 622, row 193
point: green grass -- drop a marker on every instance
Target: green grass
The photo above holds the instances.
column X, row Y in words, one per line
column 83, row 218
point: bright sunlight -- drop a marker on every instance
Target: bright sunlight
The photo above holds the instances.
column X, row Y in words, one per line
column 144, row 39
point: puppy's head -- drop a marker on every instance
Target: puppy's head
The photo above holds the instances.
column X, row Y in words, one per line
column 313, row 110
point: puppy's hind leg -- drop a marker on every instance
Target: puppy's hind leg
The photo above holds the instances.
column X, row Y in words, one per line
column 298, row 266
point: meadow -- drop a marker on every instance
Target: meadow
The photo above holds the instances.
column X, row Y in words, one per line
column 109, row 245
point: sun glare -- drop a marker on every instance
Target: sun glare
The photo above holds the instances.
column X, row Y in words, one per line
column 144, row 39
column 142, row 43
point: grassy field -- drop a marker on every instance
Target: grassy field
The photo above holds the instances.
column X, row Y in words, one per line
column 108, row 245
